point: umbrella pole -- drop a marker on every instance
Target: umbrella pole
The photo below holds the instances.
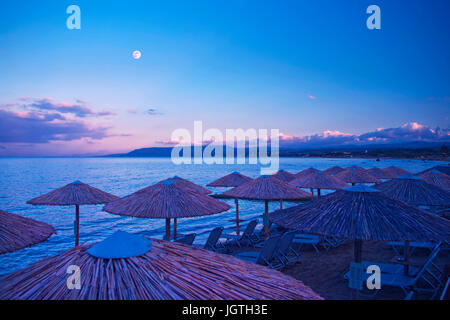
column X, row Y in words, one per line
column 236, row 201
column 174, row 228
column 358, row 259
column 168, row 228
column 281, row 204
column 406, row 258
column 266, row 218
column 77, row 225
column 312, row 193
column 318, row 193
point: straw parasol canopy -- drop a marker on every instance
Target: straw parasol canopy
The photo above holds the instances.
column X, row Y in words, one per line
column 284, row 175
column 333, row 170
column 437, row 178
column 74, row 194
column 319, row 180
column 442, row 169
column 164, row 271
column 188, row 185
column 380, row 173
column 363, row 213
column 17, row 232
column 413, row 190
column 395, row 171
column 355, row 175
column 267, row 188
column 305, row 172
column 166, row 200
column 355, row 167
column 234, row 179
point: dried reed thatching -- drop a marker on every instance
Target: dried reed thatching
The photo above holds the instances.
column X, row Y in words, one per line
column 333, row 170
column 362, row 213
column 166, row 199
column 305, row 172
column 234, row 179
column 380, row 173
column 284, row 175
column 437, row 178
column 319, row 180
column 355, row 175
column 355, row 167
column 413, row 190
column 395, row 171
column 442, row 169
column 187, row 184
column 17, row 232
column 169, row 271
column 267, row 188
column 75, row 193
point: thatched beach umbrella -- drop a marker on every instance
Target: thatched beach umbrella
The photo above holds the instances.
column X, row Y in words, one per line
column 395, row 171
column 437, row 178
column 74, row 194
column 234, row 179
column 333, row 170
column 284, row 175
column 413, row 190
column 150, row 269
column 305, row 172
column 166, row 200
column 17, row 232
column 267, row 188
column 380, row 173
column 363, row 213
column 189, row 185
column 442, row 169
column 355, row 175
column 355, row 167
column 319, row 180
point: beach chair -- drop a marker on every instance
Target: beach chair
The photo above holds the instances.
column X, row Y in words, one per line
column 410, row 295
column 306, row 239
column 428, row 274
column 212, row 243
column 413, row 246
column 274, row 230
column 329, row 242
column 285, row 251
column 187, row 239
column 266, row 256
column 445, row 293
column 246, row 237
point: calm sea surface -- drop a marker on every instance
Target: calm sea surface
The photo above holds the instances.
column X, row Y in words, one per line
column 22, row 179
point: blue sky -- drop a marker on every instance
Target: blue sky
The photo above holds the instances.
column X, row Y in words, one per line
column 303, row 67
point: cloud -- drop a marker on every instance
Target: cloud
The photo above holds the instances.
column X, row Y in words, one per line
column 153, row 112
column 408, row 132
column 43, row 120
column 79, row 109
column 412, row 131
column 311, row 97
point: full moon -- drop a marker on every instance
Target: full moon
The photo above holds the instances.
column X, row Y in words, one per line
column 136, row 54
